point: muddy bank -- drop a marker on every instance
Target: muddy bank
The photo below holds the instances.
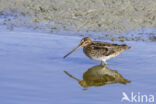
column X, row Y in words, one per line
column 109, row 16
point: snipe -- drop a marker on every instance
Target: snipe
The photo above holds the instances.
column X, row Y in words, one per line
column 99, row 51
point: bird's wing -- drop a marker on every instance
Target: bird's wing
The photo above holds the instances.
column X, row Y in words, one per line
column 104, row 49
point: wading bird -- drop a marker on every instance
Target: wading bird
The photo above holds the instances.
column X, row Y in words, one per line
column 99, row 51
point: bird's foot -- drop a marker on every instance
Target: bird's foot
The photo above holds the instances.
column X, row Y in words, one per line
column 101, row 63
column 105, row 63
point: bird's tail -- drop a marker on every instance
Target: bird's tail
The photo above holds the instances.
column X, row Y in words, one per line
column 128, row 47
column 125, row 81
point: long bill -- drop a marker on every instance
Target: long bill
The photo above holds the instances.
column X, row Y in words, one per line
column 72, row 76
column 72, row 51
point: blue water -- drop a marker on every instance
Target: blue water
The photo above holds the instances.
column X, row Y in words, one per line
column 32, row 71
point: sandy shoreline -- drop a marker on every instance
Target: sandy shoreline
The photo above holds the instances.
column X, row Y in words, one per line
column 110, row 16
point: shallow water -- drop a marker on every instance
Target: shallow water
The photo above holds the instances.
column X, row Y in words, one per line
column 32, row 71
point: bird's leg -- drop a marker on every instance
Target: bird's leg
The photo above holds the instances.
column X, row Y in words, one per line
column 101, row 63
column 105, row 63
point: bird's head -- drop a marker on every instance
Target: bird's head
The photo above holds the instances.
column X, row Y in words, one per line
column 84, row 42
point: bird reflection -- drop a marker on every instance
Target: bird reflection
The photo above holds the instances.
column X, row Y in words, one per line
column 98, row 76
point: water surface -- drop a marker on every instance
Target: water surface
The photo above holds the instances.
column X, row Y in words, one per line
column 32, row 71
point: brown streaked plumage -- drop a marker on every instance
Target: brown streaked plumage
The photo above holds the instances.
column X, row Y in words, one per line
column 99, row 51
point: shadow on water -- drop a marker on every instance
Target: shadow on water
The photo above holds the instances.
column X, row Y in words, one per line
column 99, row 75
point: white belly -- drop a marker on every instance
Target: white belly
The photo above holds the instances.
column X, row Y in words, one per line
column 104, row 58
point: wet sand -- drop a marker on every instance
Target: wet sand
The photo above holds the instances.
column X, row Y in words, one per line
column 110, row 17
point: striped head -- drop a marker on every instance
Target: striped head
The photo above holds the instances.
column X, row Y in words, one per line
column 84, row 42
